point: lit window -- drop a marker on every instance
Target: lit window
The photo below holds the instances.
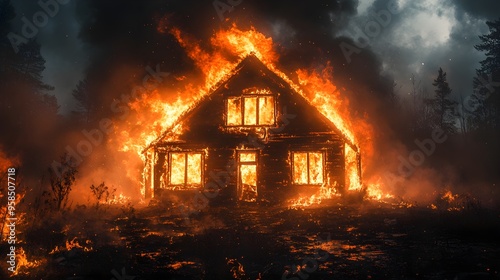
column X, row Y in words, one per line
column 250, row 110
column 185, row 169
column 307, row 168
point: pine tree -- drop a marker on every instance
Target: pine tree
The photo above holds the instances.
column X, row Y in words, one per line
column 486, row 97
column 24, row 97
column 443, row 108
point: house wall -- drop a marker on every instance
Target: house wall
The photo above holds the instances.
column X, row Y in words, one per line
column 274, row 165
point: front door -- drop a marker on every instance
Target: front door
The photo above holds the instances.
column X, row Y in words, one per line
column 247, row 175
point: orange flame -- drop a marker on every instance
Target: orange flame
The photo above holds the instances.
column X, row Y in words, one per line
column 23, row 264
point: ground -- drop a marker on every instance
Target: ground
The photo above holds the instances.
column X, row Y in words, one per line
column 362, row 240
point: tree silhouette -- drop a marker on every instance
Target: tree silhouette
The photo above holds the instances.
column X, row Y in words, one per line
column 61, row 180
column 443, row 108
column 485, row 100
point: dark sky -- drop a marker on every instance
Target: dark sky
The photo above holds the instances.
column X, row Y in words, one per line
column 421, row 37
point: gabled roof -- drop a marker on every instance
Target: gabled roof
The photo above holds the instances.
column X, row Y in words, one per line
column 249, row 61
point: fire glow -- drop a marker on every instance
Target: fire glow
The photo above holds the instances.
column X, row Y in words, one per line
column 159, row 113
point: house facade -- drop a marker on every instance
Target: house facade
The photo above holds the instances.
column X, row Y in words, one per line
column 252, row 139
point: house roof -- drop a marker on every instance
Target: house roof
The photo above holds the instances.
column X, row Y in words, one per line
column 249, row 61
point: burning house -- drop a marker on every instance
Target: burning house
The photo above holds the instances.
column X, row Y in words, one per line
column 252, row 138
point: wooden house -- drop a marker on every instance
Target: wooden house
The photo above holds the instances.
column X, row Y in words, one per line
column 253, row 138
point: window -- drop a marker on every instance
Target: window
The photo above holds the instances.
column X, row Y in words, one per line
column 185, row 169
column 249, row 110
column 307, row 168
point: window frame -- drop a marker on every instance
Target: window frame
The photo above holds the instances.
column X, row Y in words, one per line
column 185, row 185
column 307, row 152
column 242, row 110
column 240, row 163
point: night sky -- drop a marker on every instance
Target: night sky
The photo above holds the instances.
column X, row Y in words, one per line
column 420, row 38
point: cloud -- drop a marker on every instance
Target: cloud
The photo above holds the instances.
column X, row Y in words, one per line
column 483, row 9
column 424, row 36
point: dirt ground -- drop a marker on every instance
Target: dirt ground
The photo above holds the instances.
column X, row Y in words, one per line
column 368, row 240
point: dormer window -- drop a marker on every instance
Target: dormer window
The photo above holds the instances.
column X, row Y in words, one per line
column 251, row 109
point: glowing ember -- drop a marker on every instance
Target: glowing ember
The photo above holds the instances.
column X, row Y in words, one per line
column 73, row 244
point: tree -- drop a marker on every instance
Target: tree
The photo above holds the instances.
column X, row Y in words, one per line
column 443, row 108
column 465, row 116
column 486, row 97
column 21, row 72
column 62, row 178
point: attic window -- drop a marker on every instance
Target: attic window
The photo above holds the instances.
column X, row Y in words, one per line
column 185, row 169
column 250, row 110
column 307, row 168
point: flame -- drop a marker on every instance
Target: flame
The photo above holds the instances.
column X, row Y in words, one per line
column 449, row 196
column 73, row 244
column 248, row 176
column 315, row 199
column 119, row 199
column 454, row 202
column 307, row 168
column 156, row 111
column 23, row 264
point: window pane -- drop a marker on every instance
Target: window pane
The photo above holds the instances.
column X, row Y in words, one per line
column 250, row 113
column 247, row 156
column 266, row 110
column 300, row 168
column 234, row 111
column 315, row 168
column 177, row 168
column 194, row 169
column 248, row 175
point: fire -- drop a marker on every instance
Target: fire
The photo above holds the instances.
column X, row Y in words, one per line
column 119, row 199
column 247, row 175
column 374, row 191
column 73, row 244
column 455, row 202
column 353, row 181
column 323, row 194
column 23, row 263
column 229, row 47
column 308, row 168
column 449, row 196
column 185, row 170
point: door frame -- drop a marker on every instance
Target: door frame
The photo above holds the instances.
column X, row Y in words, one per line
column 239, row 164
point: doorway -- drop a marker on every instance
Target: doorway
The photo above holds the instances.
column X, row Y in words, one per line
column 247, row 176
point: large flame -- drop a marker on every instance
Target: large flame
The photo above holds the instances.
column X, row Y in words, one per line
column 155, row 112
